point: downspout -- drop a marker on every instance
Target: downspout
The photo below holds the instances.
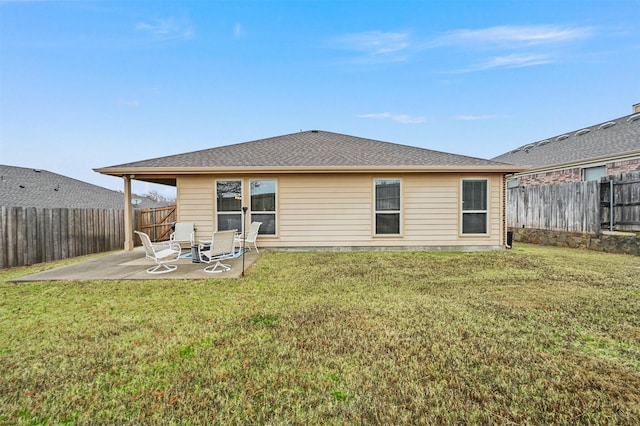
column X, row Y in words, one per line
column 128, row 214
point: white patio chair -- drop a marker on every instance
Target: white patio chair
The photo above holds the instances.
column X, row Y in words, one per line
column 183, row 232
column 251, row 238
column 222, row 248
column 162, row 254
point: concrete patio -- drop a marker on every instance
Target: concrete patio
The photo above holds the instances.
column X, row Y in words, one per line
column 133, row 265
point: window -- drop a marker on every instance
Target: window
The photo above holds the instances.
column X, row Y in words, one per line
column 263, row 205
column 594, row 173
column 387, row 206
column 229, row 204
column 512, row 183
column 474, row 206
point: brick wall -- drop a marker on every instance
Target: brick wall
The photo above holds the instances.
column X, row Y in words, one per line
column 575, row 174
column 621, row 167
column 559, row 176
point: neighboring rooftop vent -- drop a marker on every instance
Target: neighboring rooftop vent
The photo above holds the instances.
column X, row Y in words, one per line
column 562, row 137
column 633, row 118
column 582, row 132
column 528, row 147
column 544, row 142
column 607, row 125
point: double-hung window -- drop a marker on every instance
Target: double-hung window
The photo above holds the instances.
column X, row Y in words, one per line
column 263, row 205
column 387, row 212
column 474, row 206
column 229, row 204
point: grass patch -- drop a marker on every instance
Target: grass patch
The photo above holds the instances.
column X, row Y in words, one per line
column 534, row 335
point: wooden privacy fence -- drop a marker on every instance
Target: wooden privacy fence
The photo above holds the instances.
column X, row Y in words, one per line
column 32, row 235
column 157, row 222
column 620, row 202
column 577, row 206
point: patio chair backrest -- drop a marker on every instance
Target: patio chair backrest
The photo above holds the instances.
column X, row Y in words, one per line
column 223, row 242
column 252, row 235
column 146, row 242
column 183, row 232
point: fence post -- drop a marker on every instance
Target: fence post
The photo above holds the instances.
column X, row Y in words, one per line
column 611, row 198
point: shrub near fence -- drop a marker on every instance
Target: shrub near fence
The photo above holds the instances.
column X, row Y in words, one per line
column 32, row 235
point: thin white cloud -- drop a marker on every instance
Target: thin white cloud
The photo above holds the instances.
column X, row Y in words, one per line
column 408, row 119
column 506, row 46
column 238, row 31
column 512, row 36
column 477, row 117
column 129, row 103
column 518, row 46
column 376, row 45
column 167, row 29
column 376, row 115
column 400, row 118
column 510, row 61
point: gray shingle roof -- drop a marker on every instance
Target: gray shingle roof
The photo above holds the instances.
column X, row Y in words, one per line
column 313, row 149
column 24, row 187
column 618, row 136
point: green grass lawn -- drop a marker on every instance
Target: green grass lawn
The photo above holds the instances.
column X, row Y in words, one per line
column 534, row 335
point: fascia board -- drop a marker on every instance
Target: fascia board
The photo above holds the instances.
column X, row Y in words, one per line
column 173, row 171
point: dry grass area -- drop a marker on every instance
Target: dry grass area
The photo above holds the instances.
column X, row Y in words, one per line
column 534, row 335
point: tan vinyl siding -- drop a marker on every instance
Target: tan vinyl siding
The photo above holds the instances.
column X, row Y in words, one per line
column 195, row 201
column 324, row 210
column 431, row 209
column 327, row 210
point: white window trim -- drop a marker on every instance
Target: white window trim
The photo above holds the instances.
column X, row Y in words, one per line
column 275, row 213
column 375, row 211
column 242, row 196
column 486, row 212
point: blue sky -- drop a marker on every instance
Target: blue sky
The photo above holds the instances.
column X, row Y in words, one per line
column 86, row 84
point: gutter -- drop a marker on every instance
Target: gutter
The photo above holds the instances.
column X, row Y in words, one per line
column 173, row 171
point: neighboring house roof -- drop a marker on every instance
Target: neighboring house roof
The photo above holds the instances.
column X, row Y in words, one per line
column 308, row 151
column 24, row 187
column 615, row 139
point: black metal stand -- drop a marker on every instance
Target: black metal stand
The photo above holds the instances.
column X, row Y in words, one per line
column 244, row 235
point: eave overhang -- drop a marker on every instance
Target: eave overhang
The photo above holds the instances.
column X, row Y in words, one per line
column 167, row 174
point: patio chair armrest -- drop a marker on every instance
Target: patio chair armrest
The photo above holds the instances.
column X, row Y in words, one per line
column 162, row 245
column 203, row 251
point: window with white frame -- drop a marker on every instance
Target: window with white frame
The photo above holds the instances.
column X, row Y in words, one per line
column 229, row 204
column 387, row 206
column 263, row 205
column 474, row 206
